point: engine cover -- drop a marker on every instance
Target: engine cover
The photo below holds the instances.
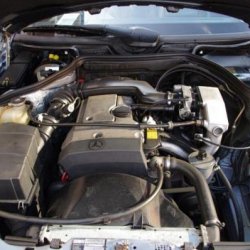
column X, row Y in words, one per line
column 90, row 150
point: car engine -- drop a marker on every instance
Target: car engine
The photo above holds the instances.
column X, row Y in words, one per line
column 120, row 148
column 81, row 145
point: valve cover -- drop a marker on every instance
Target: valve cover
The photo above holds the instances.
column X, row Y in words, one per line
column 89, row 150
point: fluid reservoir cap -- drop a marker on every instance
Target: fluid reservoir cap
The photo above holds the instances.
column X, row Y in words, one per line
column 122, row 111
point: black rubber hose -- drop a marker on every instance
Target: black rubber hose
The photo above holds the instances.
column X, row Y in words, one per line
column 183, row 68
column 175, row 146
column 224, row 46
column 236, row 205
column 89, row 221
column 124, row 86
column 204, row 196
column 221, row 145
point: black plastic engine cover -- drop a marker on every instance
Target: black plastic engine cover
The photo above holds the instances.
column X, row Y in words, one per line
column 92, row 196
column 91, row 150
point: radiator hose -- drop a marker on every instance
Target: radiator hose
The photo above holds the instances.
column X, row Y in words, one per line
column 208, row 211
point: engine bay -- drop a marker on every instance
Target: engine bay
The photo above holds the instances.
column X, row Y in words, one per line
column 132, row 143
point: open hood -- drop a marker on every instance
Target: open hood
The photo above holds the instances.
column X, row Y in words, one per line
column 15, row 14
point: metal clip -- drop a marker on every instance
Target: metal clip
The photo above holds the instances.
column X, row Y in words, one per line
column 21, row 206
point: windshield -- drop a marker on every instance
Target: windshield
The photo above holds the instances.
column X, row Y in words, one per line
column 159, row 19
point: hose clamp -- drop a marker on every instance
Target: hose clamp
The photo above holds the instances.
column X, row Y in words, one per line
column 214, row 222
column 216, row 167
column 167, row 163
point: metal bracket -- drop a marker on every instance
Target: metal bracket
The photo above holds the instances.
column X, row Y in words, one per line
column 55, row 244
column 204, row 235
column 138, row 221
column 21, row 206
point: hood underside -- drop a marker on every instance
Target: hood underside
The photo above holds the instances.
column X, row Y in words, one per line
column 15, row 15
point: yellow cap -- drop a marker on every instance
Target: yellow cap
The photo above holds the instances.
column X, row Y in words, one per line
column 56, row 57
column 51, row 56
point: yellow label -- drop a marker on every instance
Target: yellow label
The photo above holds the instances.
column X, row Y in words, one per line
column 152, row 134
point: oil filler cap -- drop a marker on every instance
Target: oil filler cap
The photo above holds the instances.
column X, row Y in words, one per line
column 122, row 111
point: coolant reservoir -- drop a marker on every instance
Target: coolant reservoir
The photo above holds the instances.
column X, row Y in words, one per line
column 15, row 112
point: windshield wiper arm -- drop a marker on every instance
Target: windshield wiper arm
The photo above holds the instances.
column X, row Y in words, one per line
column 134, row 36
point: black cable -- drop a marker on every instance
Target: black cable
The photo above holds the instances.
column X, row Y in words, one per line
column 89, row 221
column 235, row 202
column 114, row 125
column 183, row 68
column 237, row 160
column 228, row 46
column 222, row 146
column 76, row 124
